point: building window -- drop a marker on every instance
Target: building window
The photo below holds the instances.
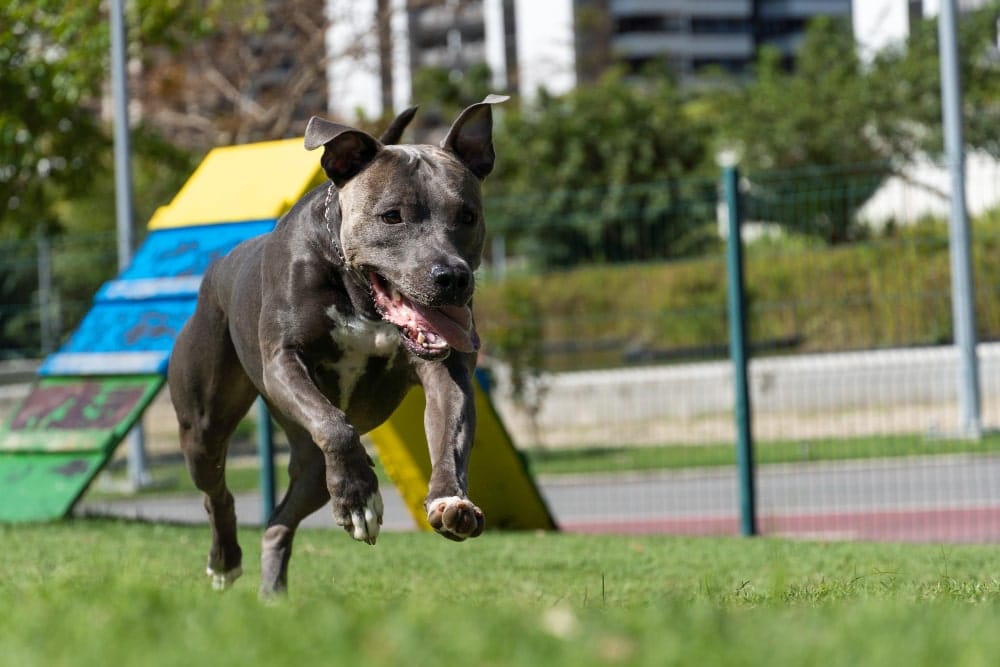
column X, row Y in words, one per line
column 648, row 23
column 780, row 27
column 916, row 12
column 712, row 25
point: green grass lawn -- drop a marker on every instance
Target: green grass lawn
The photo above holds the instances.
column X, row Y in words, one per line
column 108, row 593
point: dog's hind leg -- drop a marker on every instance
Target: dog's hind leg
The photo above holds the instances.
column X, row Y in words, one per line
column 211, row 393
column 307, row 492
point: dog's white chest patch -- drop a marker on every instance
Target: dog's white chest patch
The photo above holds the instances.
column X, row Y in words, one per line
column 359, row 340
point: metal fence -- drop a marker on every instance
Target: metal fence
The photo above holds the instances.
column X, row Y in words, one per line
column 853, row 379
column 47, row 285
column 606, row 334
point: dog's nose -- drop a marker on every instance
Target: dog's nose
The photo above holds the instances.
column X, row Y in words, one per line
column 453, row 280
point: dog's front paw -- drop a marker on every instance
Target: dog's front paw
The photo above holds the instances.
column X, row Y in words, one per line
column 223, row 579
column 363, row 520
column 455, row 518
column 357, row 503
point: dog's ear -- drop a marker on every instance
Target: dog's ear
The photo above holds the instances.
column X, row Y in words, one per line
column 346, row 150
column 393, row 133
column 471, row 136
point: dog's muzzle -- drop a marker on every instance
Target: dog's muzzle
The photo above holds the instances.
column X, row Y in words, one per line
column 429, row 332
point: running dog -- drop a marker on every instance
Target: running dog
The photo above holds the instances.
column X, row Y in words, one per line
column 363, row 289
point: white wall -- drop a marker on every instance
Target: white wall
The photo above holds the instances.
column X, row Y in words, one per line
column 545, row 50
column 352, row 51
column 879, row 24
column 882, row 23
column 924, row 186
column 912, row 390
column 402, row 82
column 496, row 42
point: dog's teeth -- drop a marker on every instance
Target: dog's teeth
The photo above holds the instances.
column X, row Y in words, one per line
column 421, row 338
column 435, row 342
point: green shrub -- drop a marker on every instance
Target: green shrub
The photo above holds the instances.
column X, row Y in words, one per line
column 894, row 290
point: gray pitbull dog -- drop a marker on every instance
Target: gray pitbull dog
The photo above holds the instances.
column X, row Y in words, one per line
column 363, row 289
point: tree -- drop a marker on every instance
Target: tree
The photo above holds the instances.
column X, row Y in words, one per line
column 52, row 59
column 53, row 72
column 817, row 141
column 231, row 85
column 906, row 85
column 808, row 134
column 55, row 150
column 596, row 175
column 443, row 93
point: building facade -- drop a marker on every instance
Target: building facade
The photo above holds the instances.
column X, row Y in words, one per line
column 689, row 37
column 531, row 44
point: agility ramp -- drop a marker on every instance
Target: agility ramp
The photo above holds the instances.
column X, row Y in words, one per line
column 96, row 386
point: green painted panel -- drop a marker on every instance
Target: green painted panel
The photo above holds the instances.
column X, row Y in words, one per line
column 41, row 440
column 78, row 414
column 59, row 438
column 42, row 487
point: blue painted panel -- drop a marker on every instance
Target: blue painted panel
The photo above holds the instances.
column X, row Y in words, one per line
column 105, row 363
column 139, row 289
column 187, row 251
column 130, row 327
column 122, row 327
column 136, row 318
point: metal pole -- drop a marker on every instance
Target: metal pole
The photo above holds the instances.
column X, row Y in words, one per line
column 45, row 292
column 499, row 256
column 265, row 455
column 123, row 152
column 738, row 354
column 962, row 293
column 137, row 466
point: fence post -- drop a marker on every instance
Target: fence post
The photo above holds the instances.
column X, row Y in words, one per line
column 962, row 291
column 138, row 468
column 738, row 354
column 498, row 250
column 265, row 454
column 45, row 293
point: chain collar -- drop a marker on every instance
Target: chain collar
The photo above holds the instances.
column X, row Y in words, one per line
column 334, row 240
column 353, row 273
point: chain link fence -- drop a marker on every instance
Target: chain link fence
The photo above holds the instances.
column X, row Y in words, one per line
column 625, row 404
column 47, row 285
column 603, row 315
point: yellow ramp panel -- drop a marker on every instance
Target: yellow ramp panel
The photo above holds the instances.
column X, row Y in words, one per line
column 499, row 481
column 257, row 181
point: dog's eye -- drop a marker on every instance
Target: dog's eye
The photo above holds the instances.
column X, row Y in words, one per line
column 392, row 217
column 467, row 217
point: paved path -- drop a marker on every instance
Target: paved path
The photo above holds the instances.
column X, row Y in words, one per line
column 944, row 498
column 189, row 509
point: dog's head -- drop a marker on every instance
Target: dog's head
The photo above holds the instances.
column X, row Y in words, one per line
column 411, row 222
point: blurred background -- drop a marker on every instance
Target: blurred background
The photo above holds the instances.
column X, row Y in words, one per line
column 602, row 298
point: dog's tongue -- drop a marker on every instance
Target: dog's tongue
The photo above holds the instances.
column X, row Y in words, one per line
column 453, row 324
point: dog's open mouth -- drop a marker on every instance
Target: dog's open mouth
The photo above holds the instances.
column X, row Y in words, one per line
column 428, row 332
